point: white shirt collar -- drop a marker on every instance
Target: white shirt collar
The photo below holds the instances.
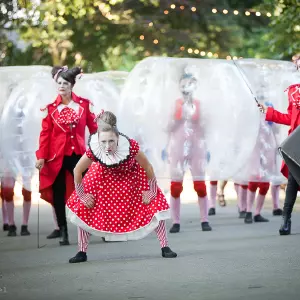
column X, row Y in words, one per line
column 72, row 104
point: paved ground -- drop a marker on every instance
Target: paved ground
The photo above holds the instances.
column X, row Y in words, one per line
column 234, row 261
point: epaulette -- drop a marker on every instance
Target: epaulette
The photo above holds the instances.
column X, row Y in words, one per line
column 291, row 86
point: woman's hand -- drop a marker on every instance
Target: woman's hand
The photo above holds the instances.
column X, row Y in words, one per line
column 40, row 164
column 147, row 197
column 87, row 199
column 262, row 108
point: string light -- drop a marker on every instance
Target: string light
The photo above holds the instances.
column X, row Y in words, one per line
column 202, row 53
column 196, row 51
column 269, row 15
column 209, row 54
column 155, row 41
column 193, row 9
column 173, row 6
column 182, row 7
column 214, row 10
column 182, row 48
column 166, row 12
column 225, row 11
column 234, row 58
column 236, row 12
column 228, row 57
column 258, row 14
column 216, row 55
column 247, row 13
column 150, row 24
column 190, row 50
column 142, row 37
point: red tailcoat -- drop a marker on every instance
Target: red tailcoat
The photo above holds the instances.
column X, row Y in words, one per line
column 54, row 137
column 291, row 118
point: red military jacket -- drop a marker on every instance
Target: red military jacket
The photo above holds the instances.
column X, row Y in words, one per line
column 291, row 118
column 56, row 137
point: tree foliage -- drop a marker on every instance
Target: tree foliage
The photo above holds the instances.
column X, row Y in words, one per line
column 115, row 34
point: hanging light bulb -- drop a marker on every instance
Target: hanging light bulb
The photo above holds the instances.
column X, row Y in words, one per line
column 142, row 37
column 236, row 12
column 214, row 10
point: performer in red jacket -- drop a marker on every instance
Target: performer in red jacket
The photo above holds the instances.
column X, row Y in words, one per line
column 62, row 143
column 292, row 119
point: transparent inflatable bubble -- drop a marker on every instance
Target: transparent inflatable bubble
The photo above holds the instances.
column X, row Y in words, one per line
column 268, row 79
column 191, row 114
column 10, row 77
column 102, row 89
column 22, row 116
column 20, row 124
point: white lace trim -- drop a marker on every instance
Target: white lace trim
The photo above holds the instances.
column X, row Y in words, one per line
column 110, row 159
column 120, row 237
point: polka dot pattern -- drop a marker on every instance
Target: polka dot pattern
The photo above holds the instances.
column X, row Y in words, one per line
column 68, row 116
column 118, row 193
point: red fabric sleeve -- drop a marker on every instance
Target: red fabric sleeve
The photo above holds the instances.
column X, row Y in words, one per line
column 278, row 117
column 45, row 134
column 90, row 155
column 90, row 117
column 134, row 148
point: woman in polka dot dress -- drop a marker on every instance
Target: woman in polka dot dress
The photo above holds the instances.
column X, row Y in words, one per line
column 118, row 198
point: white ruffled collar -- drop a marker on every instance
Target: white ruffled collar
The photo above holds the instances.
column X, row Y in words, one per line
column 110, row 160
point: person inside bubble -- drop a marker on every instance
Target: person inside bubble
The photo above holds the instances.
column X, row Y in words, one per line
column 291, row 118
column 187, row 150
column 62, row 143
column 7, row 195
column 118, row 198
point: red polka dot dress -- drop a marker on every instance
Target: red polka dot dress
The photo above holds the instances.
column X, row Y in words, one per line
column 117, row 185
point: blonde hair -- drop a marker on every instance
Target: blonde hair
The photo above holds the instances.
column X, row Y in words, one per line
column 107, row 121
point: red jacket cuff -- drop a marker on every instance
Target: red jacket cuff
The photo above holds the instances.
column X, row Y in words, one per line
column 40, row 154
column 269, row 114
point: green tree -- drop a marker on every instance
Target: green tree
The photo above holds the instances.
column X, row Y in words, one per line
column 115, row 34
column 282, row 39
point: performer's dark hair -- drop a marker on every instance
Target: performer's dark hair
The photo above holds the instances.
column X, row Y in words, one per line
column 69, row 75
column 108, row 122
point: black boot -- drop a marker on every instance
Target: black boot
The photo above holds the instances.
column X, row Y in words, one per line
column 5, row 227
column 277, row 212
column 24, row 230
column 260, row 218
column 248, row 218
column 64, row 236
column 175, row 228
column 212, row 211
column 54, row 234
column 286, row 225
column 78, row 258
column 166, row 252
column 205, row 226
column 242, row 214
column 12, row 230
